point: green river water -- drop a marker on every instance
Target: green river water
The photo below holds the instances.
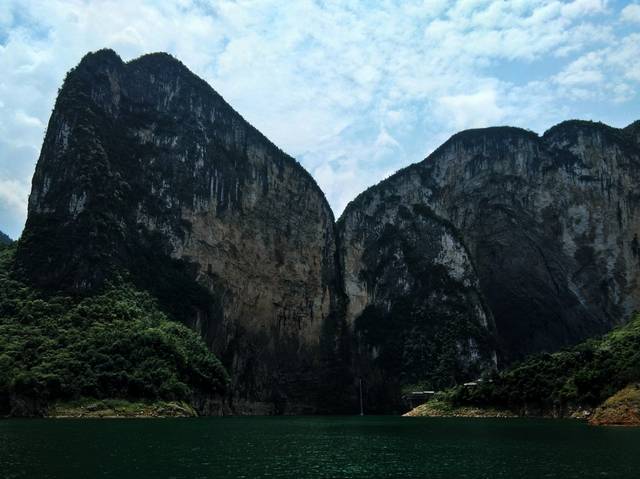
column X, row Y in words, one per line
column 309, row 447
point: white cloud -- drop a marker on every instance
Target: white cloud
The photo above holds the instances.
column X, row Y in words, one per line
column 353, row 90
column 583, row 7
column 584, row 70
column 13, row 195
column 607, row 73
column 28, row 121
column 473, row 110
column 385, row 140
column 631, row 13
column 13, row 206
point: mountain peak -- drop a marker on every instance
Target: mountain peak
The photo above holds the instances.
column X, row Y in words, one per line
column 104, row 56
column 633, row 126
column 575, row 125
column 633, row 130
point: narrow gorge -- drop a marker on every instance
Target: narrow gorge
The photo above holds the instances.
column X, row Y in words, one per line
column 500, row 244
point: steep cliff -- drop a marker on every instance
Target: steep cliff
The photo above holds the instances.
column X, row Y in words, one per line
column 545, row 228
column 418, row 316
column 146, row 172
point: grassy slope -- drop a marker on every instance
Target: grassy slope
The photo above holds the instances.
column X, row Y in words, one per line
column 115, row 344
column 623, row 408
column 444, row 408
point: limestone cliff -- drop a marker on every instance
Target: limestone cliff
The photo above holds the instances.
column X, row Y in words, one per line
column 146, row 171
column 546, row 229
column 418, row 316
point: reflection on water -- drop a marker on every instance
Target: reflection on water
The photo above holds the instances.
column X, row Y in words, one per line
column 305, row 447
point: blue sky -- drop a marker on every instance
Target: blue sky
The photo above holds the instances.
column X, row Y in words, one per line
column 353, row 90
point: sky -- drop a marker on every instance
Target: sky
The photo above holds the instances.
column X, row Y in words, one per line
column 354, row 90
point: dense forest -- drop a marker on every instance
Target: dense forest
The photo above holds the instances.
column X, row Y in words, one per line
column 115, row 344
column 583, row 376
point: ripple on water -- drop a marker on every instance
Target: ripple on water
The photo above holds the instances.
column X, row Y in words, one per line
column 316, row 447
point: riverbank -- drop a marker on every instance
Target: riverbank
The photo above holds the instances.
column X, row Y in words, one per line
column 621, row 409
column 440, row 408
column 118, row 408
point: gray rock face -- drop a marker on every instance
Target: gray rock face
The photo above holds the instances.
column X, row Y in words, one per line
column 550, row 224
column 146, row 170
column 415, row 308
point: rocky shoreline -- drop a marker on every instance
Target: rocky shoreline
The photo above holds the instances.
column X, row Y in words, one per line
column 621, row 409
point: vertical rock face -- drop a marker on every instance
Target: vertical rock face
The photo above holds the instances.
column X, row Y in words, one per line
column 148, row 172
column 549, row 224
column 414, row 301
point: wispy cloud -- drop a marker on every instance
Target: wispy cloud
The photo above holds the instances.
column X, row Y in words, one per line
column 354, row 90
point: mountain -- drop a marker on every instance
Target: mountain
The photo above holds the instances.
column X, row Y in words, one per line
column 4, row 239
column 501, row 244
column 540, row 235
column 146, row 172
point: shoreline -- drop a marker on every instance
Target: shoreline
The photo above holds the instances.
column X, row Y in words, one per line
column 616, row 411
column 120, row 409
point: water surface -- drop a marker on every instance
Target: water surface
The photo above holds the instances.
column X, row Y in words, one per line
column 315, row 447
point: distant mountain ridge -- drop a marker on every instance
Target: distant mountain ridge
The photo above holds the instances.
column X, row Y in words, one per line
column 4, row 239
column 500, row 244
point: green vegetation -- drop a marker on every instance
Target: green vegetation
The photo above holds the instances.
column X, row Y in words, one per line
column 121, row 408
column 441, row 406
column 114, row 344
column 580, row 377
